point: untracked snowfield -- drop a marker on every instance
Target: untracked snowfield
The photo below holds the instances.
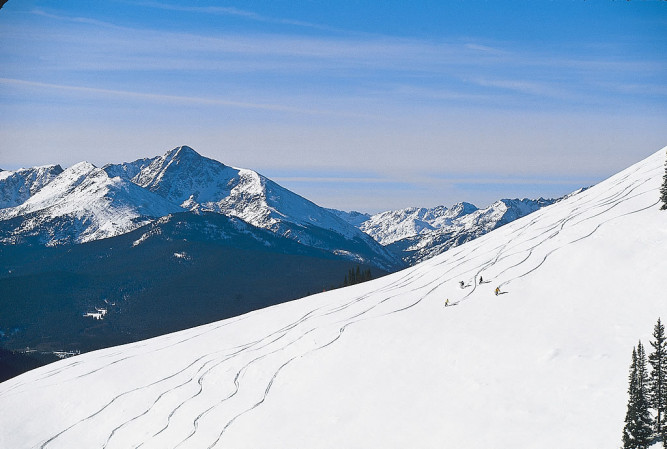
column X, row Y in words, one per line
column 385, row 364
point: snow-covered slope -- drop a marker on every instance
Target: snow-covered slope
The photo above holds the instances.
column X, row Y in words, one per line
column 81, row 204
column 384, row 363
column 17, row 186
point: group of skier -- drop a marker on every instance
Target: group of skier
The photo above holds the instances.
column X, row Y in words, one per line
column 462, row 284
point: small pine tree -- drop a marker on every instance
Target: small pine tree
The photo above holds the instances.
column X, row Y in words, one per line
column 643, row 405
column 637, row 430
column 658, row 380
column 663, row 190
column 629, row 430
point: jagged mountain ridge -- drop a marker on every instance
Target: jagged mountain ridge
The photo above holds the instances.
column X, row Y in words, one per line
column 184, row 177
column 19, row 185
column 468, row 227
column 197, row 183
column 390, row 226
column 415, row 234
column 81, row 204
column 85, row 203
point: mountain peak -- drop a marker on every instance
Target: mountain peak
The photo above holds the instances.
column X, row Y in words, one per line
column 462, row 208
column 182, row 152
column 185, row 177
column 81, row 167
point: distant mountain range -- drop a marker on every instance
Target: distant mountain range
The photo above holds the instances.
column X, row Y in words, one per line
column 83, row 203
column 51, row 206
column 417, row 234
column 170, row 242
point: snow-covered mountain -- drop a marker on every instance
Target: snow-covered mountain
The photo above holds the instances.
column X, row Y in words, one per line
column 416, row 234
column 17, row 186
column 385, row 363
column 81, row 204
column 355, row 218
column 86, row 203
column 390, row 226
column 184, row 177
column 463, row 228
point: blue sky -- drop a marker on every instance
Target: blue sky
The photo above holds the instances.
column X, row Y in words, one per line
column 362, row 105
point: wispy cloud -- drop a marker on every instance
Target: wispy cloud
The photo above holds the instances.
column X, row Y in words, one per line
column 534, row 88
column 115, row 49
column 127, row 48
column 75, row 19
column 230, row 11
column 176, row 99
column 369, row 50
column 486, row 49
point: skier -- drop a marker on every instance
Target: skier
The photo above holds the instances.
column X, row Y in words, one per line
column 497, row 291
column 481, row 280
column 447, row 302
column 462, row 284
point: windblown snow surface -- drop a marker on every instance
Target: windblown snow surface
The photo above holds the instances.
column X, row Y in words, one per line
column 384, row 364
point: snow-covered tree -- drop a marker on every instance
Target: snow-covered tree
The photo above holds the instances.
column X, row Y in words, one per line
column 638, row 423
column 658, row 380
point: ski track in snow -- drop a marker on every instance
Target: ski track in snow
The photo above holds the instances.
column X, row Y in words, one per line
column 189, row 399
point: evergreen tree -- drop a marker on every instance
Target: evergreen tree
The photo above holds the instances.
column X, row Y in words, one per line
column 367, row 275
column 645, row 426
column 663, row 190
column 658, row 380
column 637, row 430
column 356, row 276
column 629, row 430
